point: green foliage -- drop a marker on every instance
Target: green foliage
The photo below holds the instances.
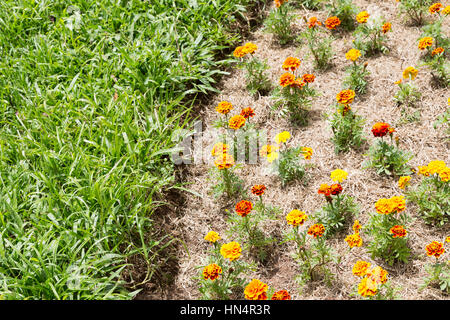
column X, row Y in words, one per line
column 444, row 120
column 432, row 196
column 256, row 78
column 369, row 37
column 438, row 275
column 356, row 78
column 414, row 10
column 279, row 23
column 407, row 95
column 434, row 30
column 347, row 128
column 387, row 159
column 383, row 244
column 309, row 4
column 288, row 166
column 345, row 10
column 440, row 69
column 319, row 46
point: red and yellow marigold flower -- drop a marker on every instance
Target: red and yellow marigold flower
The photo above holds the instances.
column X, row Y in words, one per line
column 316, row 230
column 356, row 226
column 436, row 166
column 425, row 43
column 224, row 161
column 403, row 181
column 360, row 268
column 212, row 272
column 345, row 96
column 335, row 189
column 367, row 287
column 307, row 152
column 354, row 240
column 380, row 129
column 236, row 122
column 296, row 217
column 437, row 51
column 435, row 8
column 446, row 10
column 386, row 27
column 256, row 290
column 398, row 231
column 287, row 79
column 281, row 295
column 445, row 174
column 239, row 52
column 423, row 170
column 224, row 107
column 219, row 149
column 378, row 275
column 332, row 23
column 308, row 78
column 247, row 112
column 312, row 22
column 231, row 250
column 398, row 203
column 212, row 236
column 362, row 17
column 435, row 249
column 291, row 63
column 324, row 189
column 259, row 189
column 243, row 208
column 250, row 48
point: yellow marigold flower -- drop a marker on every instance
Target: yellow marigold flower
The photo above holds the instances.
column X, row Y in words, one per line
column 398, row 203
column 386, row 27
column 236, row 122
column 362, row 17
column 378, row 275
column 403, row 181
column 231, row 250
column 423, row 170
column 250, row 48
column 436, row 7
column 345, row 96
column 354, row 240
column 307, row 152
column 291, row 63
column 436, row 166
column 398, row 231
column 360, row 268
column 367, row 287
column 425, row 43
column 384, row 206
column 446, row 10
column 239, row 52
column 271, row 157
column 212, row 272
column 212, row 236
column 353, row 55
column 256, row 290
column 356, row 226
column 267, row 149
column 410, row 72
column 316, row 230
column 219, row 148
column 447, row 239
column 296, row 217
column 338, row 175
column 224, row 107
column 282, row 137
column 224, row 161
column 445, row 174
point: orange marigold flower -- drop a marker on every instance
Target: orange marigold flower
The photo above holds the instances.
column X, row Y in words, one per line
column 224, row 161
column 360, row 268
column 398, row 203
column 425, row 43
column 335, row 189
column 212, row 272
column 324, row 189
column 434, row 8
column 298, row 83
column 398, row 231
column 356, row 226
column 316, row 230
column 345, row 96
column 287, row 79
column 291, row 63
column 354, row 240
column 362, row 17
column 212, row 236
column 313, row 22
column 410, row 72
column 367, row 287
column 296, row 217
column 236, row 122
column 332, row 23
column 386, row 27
column 380, row 129
column 256, row 290
column 219, row 149
column 309, row 78
column 307, row 152
column 435, row 248
column 436, row 51
column 243, row 208
column 239, row 52
column 384, row 206
column 378, row 275
column 281, row 295
column 278, row 3
column 224, row 107
column 247, row 112
column 250, row 48
column 231, row 250
column 259, row 189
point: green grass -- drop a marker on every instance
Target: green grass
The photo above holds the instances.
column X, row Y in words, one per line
column 91, row 93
